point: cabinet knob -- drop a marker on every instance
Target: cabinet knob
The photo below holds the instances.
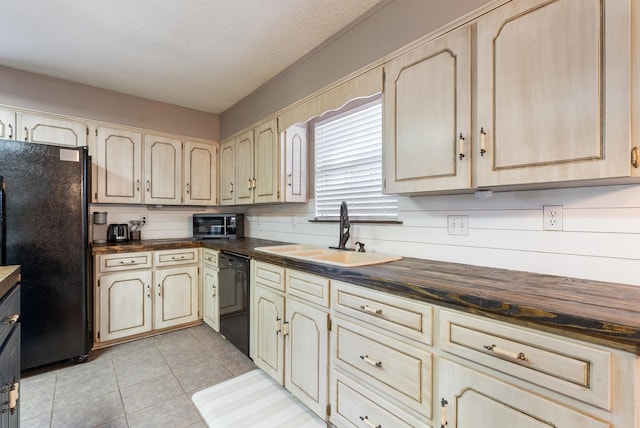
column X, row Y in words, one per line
column 635, row 157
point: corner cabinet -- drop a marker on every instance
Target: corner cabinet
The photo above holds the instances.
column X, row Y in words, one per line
column 427, row 116
column 553, row 92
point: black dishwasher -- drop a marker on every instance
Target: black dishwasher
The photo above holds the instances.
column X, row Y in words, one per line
column 233, row 294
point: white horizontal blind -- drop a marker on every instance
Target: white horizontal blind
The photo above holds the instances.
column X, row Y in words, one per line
column 348, row 166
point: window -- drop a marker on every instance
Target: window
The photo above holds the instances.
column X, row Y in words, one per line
column 348, row 165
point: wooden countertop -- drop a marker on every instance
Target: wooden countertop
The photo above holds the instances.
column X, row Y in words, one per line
column 596, row 311
column 9, row 276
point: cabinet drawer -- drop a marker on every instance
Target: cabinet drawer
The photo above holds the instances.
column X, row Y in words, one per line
column 408, row 318
column 9, row 312
column 269, row 275
column 355, row 403
column 390, row 366
column 573, row 368
column 309, row 287
column 210, row 257
column 124, row 261
column 176, row 257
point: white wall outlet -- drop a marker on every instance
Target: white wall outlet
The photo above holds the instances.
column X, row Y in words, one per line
column 458, row 224
column 143, row 220
column 552, row 217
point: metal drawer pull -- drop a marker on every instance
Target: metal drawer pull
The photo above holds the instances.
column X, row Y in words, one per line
column 10, row 132
column 129, row 261
column 461, row 150
column 13, row 387
column 11, row 319
column 366, row 420
column 369, row 310
column 368, row 360
column 443, row 413
column 516, row 356
column 278, row 325
column 483, row 144
column 176, row 258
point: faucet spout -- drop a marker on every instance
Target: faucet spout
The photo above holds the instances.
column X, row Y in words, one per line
column 345, row 225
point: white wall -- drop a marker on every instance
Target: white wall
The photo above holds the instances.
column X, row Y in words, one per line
column 601, row 226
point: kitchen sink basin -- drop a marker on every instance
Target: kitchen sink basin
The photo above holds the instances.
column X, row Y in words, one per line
column 328, row 256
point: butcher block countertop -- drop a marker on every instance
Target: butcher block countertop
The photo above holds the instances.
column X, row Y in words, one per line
column 596, row 311
column 9, row 276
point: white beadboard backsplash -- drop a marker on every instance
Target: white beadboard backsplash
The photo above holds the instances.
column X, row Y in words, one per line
column 598, row 240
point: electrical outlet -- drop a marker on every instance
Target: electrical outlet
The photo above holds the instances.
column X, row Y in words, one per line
column 552, row 217
column 143, row 220
column 458, row 224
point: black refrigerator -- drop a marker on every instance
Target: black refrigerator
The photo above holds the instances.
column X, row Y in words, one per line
column 45, row 217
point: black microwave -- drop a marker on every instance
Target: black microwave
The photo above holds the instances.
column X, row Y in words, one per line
column 206, row 226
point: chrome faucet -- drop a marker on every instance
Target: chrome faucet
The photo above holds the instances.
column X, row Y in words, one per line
column 345, row 225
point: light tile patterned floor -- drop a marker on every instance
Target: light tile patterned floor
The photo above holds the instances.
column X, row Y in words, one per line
column 146, row 383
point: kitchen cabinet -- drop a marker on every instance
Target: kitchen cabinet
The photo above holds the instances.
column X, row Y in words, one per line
column 200, row 173
column 427, row 116
column 119, row 165
column 261, row 166
column 44, row 129
column 136, row 168
column 553, row 92
column 139, row 293
column 162, row 170
column 290, row 334
column 210, row 300
column 10, row 356
column 7, row 124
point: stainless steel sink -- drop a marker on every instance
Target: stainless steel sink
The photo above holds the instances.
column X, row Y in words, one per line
column 328, row 256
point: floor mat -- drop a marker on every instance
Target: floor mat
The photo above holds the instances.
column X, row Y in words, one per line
column 253, row 400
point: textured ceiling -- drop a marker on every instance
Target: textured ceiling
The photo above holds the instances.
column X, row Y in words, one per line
column 202, row 54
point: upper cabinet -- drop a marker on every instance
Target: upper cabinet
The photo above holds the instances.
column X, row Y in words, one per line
column 7, row 124
column 50, row 130
column 427, row 117
column 260, row 166
column 151, row 169
column 553, row 92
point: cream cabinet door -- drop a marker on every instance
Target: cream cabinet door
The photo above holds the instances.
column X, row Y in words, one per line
column 227, row 172
column 125, row 304
column 7, row 124
column 119, row 165
column 51, row 130
column 268, row 354
column 176, row 296
column 294, row 164
column 162, row 170
column 266, row 163
column 245, row 177
column 427, row 117
column 553, row 92
column 471, row 399
column 306, row 354
column 200, row 172
column 210, row 310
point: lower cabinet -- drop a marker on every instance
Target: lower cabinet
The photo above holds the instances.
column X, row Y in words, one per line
column 141, row 292
column 10, row 358
column 268, row 344
column 210, row 301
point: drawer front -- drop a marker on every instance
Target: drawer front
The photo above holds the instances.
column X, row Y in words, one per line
column 124, row 261
column 308, row 287
column 9, row 311
column 563, row 365
column 269, row 275
column 176, row 257
column 357, row 406
column 210, row 257
column 388, row 365
column 401, row 316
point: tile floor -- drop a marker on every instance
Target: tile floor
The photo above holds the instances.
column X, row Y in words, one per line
column 146, row 383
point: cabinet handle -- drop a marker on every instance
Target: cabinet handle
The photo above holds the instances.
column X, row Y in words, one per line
column 461, row 143
column 131, row 262
column 285, row 328
column 368, row 360
column 635, row 156
column 159, row 290
column 289, row 180
column 230, row 187
column 250, row 184
column 515, row 355
column 137, row 185
column 213, row 291
column 148, row 291
column 176, row 258
column 278, row 327
column 11, row 319
column 369, row 310
column 368, row 423
column 148, row 186
column 483, row 143
column 14, row 395
column 187, row 188
column 443, row 413
column 10, row 131
column 26, row 134
column 254, row 183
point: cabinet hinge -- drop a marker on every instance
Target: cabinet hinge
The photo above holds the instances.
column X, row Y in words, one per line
column 96, row 132
column 96, row 195
column 98, row 335
column 87, row 131
column 384, row 183
column 329, row 325
column 328, row 409
column 278, row 195
column 98, row 283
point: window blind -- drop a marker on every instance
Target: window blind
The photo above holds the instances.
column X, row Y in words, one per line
column 348, row 166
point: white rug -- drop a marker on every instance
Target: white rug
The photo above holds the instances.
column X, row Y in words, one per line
column 253, row 400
